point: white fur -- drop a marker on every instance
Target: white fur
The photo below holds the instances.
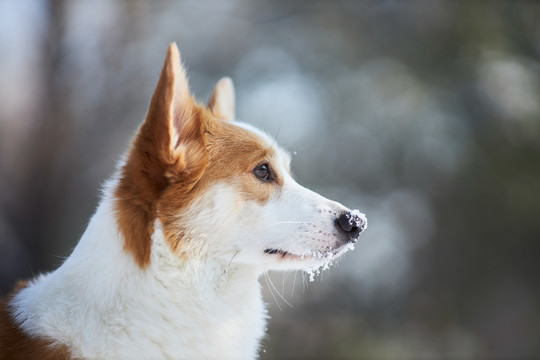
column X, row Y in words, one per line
column 102, row 305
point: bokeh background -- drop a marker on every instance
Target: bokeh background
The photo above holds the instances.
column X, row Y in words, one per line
column 425, row 115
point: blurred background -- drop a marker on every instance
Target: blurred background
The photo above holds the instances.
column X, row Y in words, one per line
column 425, row 115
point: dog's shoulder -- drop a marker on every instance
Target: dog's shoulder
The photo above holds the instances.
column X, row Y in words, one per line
column 16, row 344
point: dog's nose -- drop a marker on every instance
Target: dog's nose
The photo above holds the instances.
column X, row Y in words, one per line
column 352, row 223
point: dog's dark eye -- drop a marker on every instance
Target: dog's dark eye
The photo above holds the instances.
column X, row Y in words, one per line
column 262, row 172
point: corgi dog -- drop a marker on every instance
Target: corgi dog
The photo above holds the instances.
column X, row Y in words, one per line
column 200, row 206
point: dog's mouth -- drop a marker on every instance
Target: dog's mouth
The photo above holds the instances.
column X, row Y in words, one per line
column 308, row 255
column 279, row 252
column 312, row 262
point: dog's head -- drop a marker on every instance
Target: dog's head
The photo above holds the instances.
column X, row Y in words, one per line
column 221, row 188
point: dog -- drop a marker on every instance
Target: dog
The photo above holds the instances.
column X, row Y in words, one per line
column 200, row 206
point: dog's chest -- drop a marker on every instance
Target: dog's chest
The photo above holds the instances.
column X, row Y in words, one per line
column 192, row 330
column 189, row 322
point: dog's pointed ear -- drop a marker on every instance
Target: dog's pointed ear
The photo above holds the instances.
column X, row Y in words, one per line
column 170, row 147
column 172, row 135
column 222, row 101
column 170, row 114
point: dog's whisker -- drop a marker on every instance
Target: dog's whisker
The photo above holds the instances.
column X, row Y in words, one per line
column 277, row 291
column 275, row 137
column 232, row 258
column 283, row 282
column 226, row 270
column 289, row 222
column 304, row 282
column 294, row 283
column 271, row 291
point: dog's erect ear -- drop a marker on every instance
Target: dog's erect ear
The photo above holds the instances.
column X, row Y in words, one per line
column 172, row 135
column 222, row 101
column 171, row 121
column 170, row 147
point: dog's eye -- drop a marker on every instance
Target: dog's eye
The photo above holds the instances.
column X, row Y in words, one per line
column 262, row 172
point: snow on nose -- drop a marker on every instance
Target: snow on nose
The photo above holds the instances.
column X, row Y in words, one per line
column 352, row 222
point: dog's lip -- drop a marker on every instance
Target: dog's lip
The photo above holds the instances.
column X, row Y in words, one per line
column 280, row 252
column 327, row 254
column 308, row 255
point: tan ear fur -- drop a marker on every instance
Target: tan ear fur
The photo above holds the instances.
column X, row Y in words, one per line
column 171, row 107
column 170, row 147
column 222, row 100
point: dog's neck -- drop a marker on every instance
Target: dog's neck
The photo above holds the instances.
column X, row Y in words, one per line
column 100, row 295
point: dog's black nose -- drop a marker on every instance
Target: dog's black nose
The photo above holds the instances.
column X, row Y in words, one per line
column 352, row 223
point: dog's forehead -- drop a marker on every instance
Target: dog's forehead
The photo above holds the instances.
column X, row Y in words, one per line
column 267, row 141
column 247, row 140
column 253, row 130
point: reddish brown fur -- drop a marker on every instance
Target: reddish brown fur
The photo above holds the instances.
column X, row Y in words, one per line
column 154, row 162
column 16, row 345
column 233, row 153
column 162, row 178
